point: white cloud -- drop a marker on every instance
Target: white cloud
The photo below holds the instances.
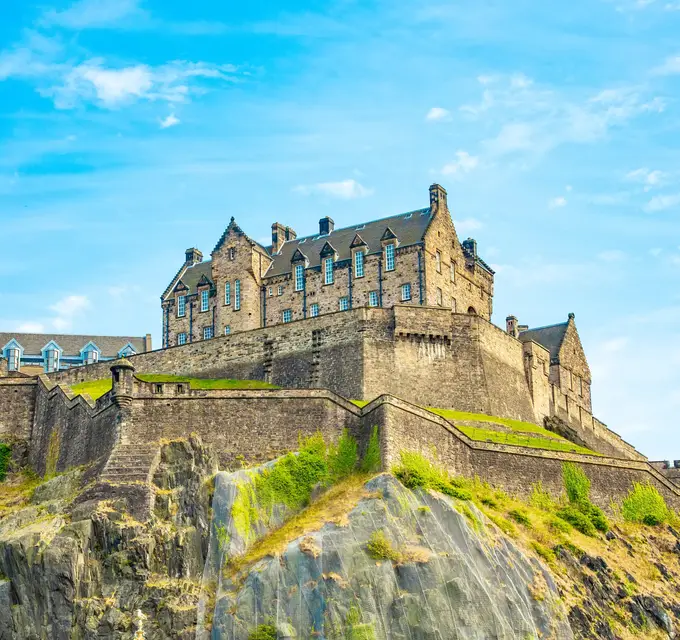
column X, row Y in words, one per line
column 558, row 202
column 568, row 188
column 520, row 81
column 613, row 255
column 67, row 309
column 660, row 203
column 512, row 137
column 170, row 121
column 646, row 177
column 670, row 66
column 345, row 189
column 437, row 113
column 93, row 13
column 464, row 163
column 468, row 225
column 31, row 327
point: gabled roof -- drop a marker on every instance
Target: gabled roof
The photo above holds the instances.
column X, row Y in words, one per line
column 551, row 337
column 409, row 229
column 233, row 227
column 72, row 345
column 194, row 274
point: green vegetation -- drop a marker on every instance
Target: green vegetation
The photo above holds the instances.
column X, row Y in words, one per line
column 372, row 458
column 360, row 403
column 580, row 513
column 263, row 632
column 520, row 516
column 644, row 504
column 415, row 471
column 5, row 457
column 380, row 548
column 97, row 388
column 354, row 629
column 541, row 499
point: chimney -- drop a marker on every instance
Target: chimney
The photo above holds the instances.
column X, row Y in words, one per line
column 147, row 343
column 522, row 328
column 193, row 256
column 511, row 326
column 471, row 246
column 281, row 234
column 437, row 197
column 326, row 226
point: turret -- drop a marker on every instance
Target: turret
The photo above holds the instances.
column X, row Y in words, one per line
column 122, row 381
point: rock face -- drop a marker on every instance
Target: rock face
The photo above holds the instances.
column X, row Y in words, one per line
column 448, row 575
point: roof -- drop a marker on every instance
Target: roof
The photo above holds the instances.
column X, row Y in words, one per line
column 109, row 346
column 550, row 337
column 193, row 275
column 409, row 228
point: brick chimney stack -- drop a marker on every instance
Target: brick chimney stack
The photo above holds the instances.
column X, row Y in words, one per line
column 326, row 226
column 193, row 256
column 511, row 326
column 281, row 234
column 437, row 197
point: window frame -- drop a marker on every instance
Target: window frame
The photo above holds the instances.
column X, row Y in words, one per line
column 287, row 316
column 181, row 338
column 453, row 271
column 227, row 293
column 359, row 264
column 439, row 297
column 438, row 260
column 390, row 256
column 406, row 289
column 181, row 306
column 205, row 300
column 299, row 276
column 227, row 329
column 52, row 362
column 328, row 271
column 279, row 290
column 237, row 295
column 314, row 310
column 13, row 359
column 343, row 303
column 207, row 333
column 371, row 296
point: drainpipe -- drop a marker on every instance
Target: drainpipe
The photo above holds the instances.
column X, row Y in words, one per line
column 349, row 279
column 191, row 321
column 380, row 304
column 264, row 306
column 304, row 293
column 420, row 274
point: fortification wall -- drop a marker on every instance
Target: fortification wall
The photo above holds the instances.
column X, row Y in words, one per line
column 68, row 431
column 515, row 469
column 17, row 407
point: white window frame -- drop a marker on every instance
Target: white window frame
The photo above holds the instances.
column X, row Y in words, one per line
column 227, row 329
column 299, row 270
column 373, row 297
column 405, row 291
column 453, row 271
column 287, row 315
column 181, row 306
column 314, row 310
column 438, row 260
column 279, row 291
column 328, row 271
column 91, row 356
column 181, row 338
column 343, row 303
column 237, row 295
column 390, row 257
column 271, row 292
column 13, row 359
column 227, row 293
column 207, row 333
column 51, row 361
column 205, row 300
column 359, row 264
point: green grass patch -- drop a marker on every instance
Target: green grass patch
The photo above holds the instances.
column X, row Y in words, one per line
column 360, row 403
column 380, row 548
column 97, row 388
column 515, row 425
column 644, row 504
column 416, row 471
column 372, row 458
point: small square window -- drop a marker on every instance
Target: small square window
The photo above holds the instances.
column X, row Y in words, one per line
column 314, row 310
column 181, row 388
column 344, row 303
column 373, row 299
column 158, row 388
column 232, row 253
column 287, row 315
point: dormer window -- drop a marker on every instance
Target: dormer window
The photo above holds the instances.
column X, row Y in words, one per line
column 359, row 264
column 126, row 351
column 51, row 360
column 13, row 359
column 328, row 271
column 389, row 257
column 181, row 306
column 205, row 300
column 90, row 353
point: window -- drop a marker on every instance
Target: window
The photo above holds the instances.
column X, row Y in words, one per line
column 372, row 298
column 237, row 295
column 232, row 253
column 91, row 356
column 328, row 271
column 344, row 303
column 227, row 293
column 181, row 306
column 314, row 310
column 205, row 298
column 359, row 264
column 438, row 260
column 158, row 388
column 406, row 291
column 389, row 257
column 453, row 305
column 453, row 271
column 280, row 290
column 181, row 338
column 299, row 277
column 51, row 360
column 271, row 291
column 287, row 315
column 13, row 356
column 439, row 296
column 207, row 333
column 227, row 330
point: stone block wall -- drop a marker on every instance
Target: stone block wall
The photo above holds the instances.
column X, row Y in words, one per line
column 17, row 407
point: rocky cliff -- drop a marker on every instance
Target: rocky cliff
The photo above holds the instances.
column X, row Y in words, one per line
column 368, row 559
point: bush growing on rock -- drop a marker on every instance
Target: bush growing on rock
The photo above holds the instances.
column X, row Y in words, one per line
column 263, row 632
column 581, row 513
column 644, row 504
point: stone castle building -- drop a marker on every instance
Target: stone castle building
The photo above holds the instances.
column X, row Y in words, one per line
column 413, row 258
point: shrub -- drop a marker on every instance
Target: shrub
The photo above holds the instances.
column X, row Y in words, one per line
column 541, row 499
column 380, row 548
column 372, row 458
column 547, row 554
column 595, row 515
column 342, row 459
column 5, row 457
column 576, row 482
column 576, row 519
column 645, row 504
column 520, row 517
column 559, row 526
column 263, row 632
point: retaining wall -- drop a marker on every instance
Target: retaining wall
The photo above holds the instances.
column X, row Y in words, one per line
column 17, row 407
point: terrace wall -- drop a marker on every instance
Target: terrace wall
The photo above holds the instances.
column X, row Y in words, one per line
column 17, row 407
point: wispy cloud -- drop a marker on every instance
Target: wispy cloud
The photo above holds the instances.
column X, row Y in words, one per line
column 30, row 327
column 468, row 225
column 438, row 113
column 67, row 309
column 612, row 255
column 464, row 163
column 647, row 177
column 344, row 190
column 557, row 203
column 88, row 14
column 663, row 202
column 670, row 66
column 170, row 121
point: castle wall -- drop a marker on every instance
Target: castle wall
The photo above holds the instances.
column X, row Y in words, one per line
column 537, row 370
column 68, row 431
column 17, row 407
column 514, row 469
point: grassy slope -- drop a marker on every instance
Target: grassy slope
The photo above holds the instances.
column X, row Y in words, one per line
column 97, row 388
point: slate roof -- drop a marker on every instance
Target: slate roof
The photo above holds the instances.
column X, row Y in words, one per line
column 550, row 337
column 408, row 227
column 109, row 346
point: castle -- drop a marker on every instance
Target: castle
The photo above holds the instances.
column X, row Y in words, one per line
column 395, row 313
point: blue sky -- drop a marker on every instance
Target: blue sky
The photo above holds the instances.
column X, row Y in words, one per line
column 133, row 129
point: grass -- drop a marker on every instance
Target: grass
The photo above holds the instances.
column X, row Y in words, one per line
column 97, row 388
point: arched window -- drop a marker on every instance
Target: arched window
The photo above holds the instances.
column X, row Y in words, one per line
column 471, row 311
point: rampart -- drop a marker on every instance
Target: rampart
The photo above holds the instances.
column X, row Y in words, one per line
column 17, row 407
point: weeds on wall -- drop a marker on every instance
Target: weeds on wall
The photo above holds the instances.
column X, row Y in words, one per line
column 5, row 457
column 580, row 512
column 416, row 471
column 644, row 504
column 372, row 458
